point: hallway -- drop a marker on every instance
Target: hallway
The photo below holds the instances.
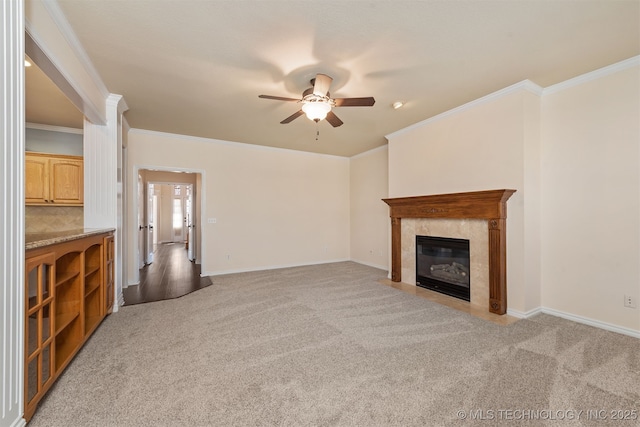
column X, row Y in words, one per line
column 171, row 275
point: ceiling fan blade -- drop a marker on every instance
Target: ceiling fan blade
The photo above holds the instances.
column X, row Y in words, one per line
column 333, row 119
column 278, row 98
column 355, row 102
column 321, row 85
column 292, row 117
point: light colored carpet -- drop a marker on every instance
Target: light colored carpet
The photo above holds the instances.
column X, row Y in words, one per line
column 328, row 345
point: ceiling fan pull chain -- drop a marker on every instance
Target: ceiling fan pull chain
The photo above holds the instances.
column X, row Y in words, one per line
column 317, row 131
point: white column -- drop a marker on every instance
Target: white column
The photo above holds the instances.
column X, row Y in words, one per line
column 12, row 220
column 102, row 209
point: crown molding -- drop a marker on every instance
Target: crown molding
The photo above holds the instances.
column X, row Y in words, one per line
column 371, row 151
column 117, row 101
column 51, row 128
column 593, row 75
column 52, row 66
column 529, row 86
column 246, row 145
column 526, row 85
column 63, row 25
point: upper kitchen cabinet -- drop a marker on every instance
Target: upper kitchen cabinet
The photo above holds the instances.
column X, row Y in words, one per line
column 53, row 180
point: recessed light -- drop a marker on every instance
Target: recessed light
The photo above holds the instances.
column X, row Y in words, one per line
column 27, row 63
column 397, row 104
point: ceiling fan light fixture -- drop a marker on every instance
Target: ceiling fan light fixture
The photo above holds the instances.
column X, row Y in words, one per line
column 316, row 111
column 317, row 102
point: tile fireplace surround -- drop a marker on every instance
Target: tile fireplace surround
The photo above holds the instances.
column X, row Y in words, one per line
column 460, row 213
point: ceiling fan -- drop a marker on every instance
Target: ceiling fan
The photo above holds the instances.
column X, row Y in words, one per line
column 317, row 102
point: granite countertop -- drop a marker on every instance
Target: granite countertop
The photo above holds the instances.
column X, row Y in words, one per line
column 39, row 240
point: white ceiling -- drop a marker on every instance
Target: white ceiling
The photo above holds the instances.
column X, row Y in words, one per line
column 197, row 67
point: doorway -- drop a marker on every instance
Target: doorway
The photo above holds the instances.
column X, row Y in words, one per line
column 169, row 238
column 170, row 216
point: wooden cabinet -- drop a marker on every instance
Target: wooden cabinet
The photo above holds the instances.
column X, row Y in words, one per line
column 65, row 302
column 53, row 180
column 36, row 174
column 109, row 273
column 39, row 335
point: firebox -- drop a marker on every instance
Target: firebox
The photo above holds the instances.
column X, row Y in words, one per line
column 442, row 265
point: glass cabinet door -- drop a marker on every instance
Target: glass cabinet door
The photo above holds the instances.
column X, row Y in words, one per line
column 109, row 278
column 39, row 277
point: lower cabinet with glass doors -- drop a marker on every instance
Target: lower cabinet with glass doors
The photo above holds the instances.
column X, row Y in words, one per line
column 67, row 289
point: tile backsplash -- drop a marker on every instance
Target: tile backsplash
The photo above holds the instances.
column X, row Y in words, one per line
column 39, row 219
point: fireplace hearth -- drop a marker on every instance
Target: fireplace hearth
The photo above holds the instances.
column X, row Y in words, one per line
column 443, row 265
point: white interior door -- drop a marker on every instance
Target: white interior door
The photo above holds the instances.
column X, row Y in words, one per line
column 156, row 220
column 191, row 242
column 179, row 231
column 141, row 230
column 151, row 220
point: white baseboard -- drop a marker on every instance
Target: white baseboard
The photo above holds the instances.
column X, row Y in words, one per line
column 575, row 318
column 119, row 302
column 271, row 267
column 20, row 422
column 523, row 314
column 591, row 322
column 369, row 264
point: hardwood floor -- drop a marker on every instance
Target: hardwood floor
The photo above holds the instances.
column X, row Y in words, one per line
column 171, row 275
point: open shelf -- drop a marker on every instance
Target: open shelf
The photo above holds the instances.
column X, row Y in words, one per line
column 92, row 259
column 62, row 278
column 92, row 281
column 68, row 340
column 64, row 320
column 92, row 311
column 67, row 301
column 89, row 288
column 88, row 271
column 67, row 267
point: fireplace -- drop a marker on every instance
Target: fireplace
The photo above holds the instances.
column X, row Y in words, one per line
column 443, row 265
column 489, row 205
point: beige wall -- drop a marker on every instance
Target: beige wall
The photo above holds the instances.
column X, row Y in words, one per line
column 572, row 152
column 273, row 207
column 591, row 193
column 369, row 183
column 480, row 146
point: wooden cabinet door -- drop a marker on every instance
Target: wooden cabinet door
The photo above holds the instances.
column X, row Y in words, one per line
column 67, row 177
column 36, row 179
column 39, row 329
column 54, row 180
column 109, row 273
